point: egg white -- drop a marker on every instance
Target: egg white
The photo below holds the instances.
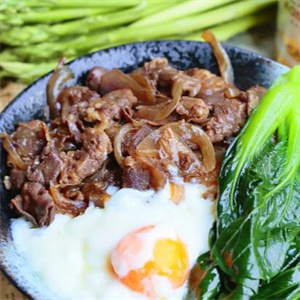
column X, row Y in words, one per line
column 72, row 254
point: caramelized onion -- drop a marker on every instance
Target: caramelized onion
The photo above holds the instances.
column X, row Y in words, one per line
column 117, row 80
column 104, row 122
column 232, row 92
column 61, row 75
column 14, row 158
column 196, row 135
column 118, row 140
column 187, row 132
column 146, row 85
column 65, row 205
column 162, row 110
column 171, row 146
column 177, row 192
column 223, row 60
column 127, row 112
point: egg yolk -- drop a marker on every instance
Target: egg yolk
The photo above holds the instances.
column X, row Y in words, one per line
column 169, row 260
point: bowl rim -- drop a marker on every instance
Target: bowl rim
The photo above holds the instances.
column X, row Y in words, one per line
column 227, row 47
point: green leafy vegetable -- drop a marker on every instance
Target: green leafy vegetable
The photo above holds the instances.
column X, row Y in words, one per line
column 284, row 286
column 257, row 248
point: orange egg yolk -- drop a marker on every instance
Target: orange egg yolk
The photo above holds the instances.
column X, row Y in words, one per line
column 170, row 260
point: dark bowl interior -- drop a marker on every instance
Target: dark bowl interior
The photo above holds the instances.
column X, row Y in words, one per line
column 249, row 69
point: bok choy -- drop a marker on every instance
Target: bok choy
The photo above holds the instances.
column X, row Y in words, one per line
column 255, row 251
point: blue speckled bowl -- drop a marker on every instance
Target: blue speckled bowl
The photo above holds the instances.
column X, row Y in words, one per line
column 249, row 69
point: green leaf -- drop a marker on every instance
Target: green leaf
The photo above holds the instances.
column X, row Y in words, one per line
column 285, row 286
column 258, row 224
column 205, row 279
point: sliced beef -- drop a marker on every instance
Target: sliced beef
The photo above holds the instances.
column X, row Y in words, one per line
column 136, row 176
column 80, row 164
column 135, row 138
column 93, row 79
column 17, row 178
column 47, row 167
column 193, row 109
column 152, row 69
column 29, row 140
column 35, row 204
column 112, row 104
column 227, row 119
column 254, row 94
column 210, row 83
column 96, row 144
column 110, row 173
column 190, row 85
column 63, row 134
column 142, row 174
column 75, row 100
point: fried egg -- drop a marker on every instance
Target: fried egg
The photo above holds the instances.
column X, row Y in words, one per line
column 142, row 245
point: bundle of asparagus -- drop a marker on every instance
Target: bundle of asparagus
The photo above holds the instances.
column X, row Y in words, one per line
column 36, row 33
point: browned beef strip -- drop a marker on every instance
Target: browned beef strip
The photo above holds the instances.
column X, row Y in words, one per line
column 142, row 174
column 35, row 204
column 29, row 139
column 96, row 144
column 228, row 117
column 113, row 103
column 152, row 69
column 17, row 178
column 63, row 138
column 83, row 163
column 210, row 83
column 193, row 109
column 254, row 94
column 47, row 167
column 110, row 173
column 136, row 177
column 93, row 80
column 75, row 100
column 190, row 85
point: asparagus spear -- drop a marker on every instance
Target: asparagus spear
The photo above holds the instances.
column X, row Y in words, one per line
column 21, row 36
column 180, row 10
column 51, row 16
column 26, row 72
column 192, row 23
column 87, row 42
column 72, row 3
column 226, row 31
column 223, row 32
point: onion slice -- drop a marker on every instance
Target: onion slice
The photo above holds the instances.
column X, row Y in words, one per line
column 162, row 110
column 222, row 57
column 61, row 75
column 124, row 130
column 13, row 156
column 187, row 132
column 65, row 205
column 146, row 85
column 117, row 80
